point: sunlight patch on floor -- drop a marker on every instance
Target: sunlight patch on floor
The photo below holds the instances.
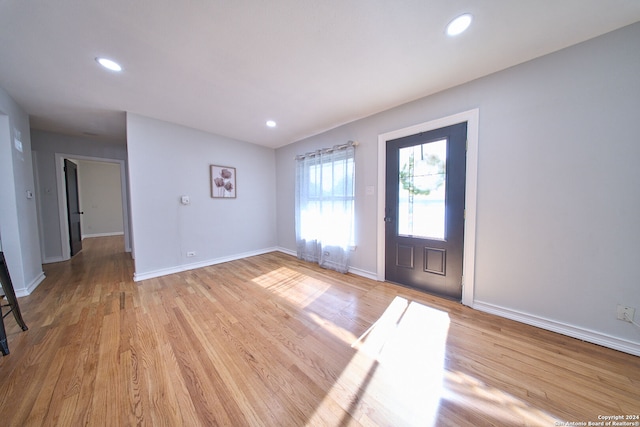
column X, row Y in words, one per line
column 468, row 391
column 292, row 286
column 409, row 342
column 395, row 377
column 398, row 375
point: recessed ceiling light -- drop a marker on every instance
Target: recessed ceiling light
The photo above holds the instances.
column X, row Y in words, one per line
column 459, row 24
column 109, row 64
column 271, row 123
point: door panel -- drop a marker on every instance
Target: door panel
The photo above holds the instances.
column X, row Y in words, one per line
column 424, row 216
column 73, row 206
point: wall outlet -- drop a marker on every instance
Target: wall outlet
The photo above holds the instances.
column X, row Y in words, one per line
column 191, row 253
column 626, row 313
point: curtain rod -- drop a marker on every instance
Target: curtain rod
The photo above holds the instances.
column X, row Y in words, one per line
column 327, row 150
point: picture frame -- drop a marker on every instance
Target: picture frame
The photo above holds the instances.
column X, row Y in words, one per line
column 223, row 182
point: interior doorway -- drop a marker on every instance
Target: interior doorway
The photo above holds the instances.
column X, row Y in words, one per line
column 62, row 199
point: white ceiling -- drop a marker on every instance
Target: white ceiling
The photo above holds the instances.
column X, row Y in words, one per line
column 227, row 66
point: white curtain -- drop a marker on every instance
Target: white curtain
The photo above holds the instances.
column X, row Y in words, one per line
column 325, row 206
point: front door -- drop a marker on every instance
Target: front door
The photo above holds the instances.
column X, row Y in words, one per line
column 424, row 212
column 73, row 206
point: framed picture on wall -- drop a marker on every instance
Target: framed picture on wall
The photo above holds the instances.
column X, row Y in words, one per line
column 223, row 182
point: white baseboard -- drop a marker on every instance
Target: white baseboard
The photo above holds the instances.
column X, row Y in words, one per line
column 363, row 273
column 353, row 270
column 286, row 251
column 561, row 328
column 115, row 233
column 180, row 268
column 31, row 286
column 51, row 260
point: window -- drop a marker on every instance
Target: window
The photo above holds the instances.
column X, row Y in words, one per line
column 422, row 180
column 325, row 206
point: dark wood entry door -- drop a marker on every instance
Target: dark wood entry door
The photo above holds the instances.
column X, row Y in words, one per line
column 424, row 216
column 73, row 206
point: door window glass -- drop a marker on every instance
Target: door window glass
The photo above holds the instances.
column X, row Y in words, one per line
column 421, row 199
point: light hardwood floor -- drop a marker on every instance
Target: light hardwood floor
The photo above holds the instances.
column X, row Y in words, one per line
column 270, row 340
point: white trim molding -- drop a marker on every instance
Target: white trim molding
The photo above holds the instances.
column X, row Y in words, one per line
column 52, row 260
column 286, row 251
column 357, row 271
column 31, row 286
column 363, row 273
column 472, row 118
column 137, row 277
column 560, row 328
column 90, row 236
column 62, row 199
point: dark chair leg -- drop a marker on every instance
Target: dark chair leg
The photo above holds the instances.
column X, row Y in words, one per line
column 9, row 293
column 3, row 337
column 15, row 308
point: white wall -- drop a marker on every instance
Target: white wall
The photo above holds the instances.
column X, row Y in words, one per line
column 557, row 241
column 47, row 146
column 18, row 213
column 167, row 161
column 100, row 198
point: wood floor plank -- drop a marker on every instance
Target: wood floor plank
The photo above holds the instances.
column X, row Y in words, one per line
column 274, row 341
column 167, row 399
column 43, row 407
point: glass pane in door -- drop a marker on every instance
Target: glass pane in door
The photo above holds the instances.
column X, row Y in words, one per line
column 422, row 186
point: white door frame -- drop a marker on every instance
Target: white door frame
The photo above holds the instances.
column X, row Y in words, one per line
column 62, row 200
column 471, row 191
